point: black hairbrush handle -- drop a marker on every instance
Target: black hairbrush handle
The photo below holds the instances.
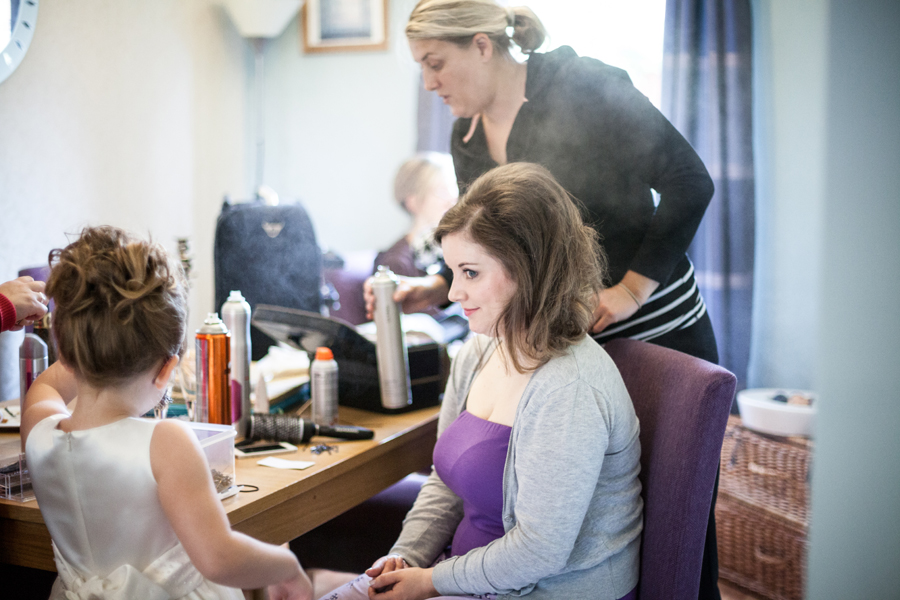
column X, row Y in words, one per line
column 285, row 428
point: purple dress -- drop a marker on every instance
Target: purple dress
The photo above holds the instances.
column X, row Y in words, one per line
column 469, row 457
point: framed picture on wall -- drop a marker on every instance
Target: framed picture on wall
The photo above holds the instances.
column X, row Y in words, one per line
column 342, row 25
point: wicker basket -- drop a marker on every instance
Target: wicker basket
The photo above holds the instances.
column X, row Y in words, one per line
column 759, row 550
column 769, row 472
column 762, row 513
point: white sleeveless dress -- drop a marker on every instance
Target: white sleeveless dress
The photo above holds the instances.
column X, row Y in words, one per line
column 111, row 538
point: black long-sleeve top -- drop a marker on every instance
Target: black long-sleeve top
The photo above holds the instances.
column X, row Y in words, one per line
column 608, row 146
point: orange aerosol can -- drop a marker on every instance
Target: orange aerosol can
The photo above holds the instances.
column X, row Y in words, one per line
column 213, row 350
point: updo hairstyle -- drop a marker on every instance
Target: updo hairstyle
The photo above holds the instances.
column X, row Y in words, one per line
column 416, row 175
column 524, row 219
column 457, row 21
column 120, row 306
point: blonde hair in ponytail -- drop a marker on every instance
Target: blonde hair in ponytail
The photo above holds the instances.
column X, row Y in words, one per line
column 121, row 306
column 458, row 21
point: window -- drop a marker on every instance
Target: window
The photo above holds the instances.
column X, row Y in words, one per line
column 624, row 33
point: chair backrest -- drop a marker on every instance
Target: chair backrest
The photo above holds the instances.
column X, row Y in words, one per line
column 683, row 404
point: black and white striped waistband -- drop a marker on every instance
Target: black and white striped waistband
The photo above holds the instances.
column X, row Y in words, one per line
column 676, row 306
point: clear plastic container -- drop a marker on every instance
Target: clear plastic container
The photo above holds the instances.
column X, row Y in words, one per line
column 15, row 481
column 217, row 442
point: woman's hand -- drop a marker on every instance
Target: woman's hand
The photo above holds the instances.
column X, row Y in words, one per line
column 622, row 300
column 386, row 564
column 27, row 295
column 406, row 584
column 415, row 294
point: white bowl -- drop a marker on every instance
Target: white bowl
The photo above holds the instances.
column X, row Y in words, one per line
column 760, row 413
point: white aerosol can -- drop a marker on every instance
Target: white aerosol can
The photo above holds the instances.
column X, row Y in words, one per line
column 236, row 316
column 390, row 345
column 323, row 374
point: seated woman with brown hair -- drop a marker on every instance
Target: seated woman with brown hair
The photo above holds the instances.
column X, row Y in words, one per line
column 534, row 490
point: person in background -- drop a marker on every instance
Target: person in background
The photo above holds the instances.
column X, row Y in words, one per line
column 22, row 302
column 130, row 503
column 605, row 143
column 425, row 187
column 535, row 485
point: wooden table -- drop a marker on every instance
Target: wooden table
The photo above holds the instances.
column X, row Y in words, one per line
column 288, row 503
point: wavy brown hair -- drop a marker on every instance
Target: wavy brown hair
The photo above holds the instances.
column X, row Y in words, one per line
column 524, row 219
column 120, row 305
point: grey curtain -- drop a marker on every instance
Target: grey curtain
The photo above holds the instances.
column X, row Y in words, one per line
column 706, row 95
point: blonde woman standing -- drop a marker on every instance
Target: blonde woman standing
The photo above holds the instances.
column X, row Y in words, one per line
column 600, row 138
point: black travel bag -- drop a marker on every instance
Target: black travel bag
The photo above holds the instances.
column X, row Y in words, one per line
column 269, row 254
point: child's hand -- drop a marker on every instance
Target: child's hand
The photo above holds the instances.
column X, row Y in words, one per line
column 296, row 588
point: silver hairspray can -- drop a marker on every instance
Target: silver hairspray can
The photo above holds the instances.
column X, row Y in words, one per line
column 390, row 345
column 32, row 362
column 236, row 316
column 323, row 375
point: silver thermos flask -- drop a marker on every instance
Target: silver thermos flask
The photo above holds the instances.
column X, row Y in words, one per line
column 390, row 345
column 236, row 316
column 32, row 362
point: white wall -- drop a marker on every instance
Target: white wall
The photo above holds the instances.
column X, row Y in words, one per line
column 828, row 268
column 126, row 113
column 789, row 118
column 139, row 114
column 855, row 530
column 338, row 126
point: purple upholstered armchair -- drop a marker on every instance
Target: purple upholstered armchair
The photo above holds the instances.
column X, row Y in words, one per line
column 683, row 405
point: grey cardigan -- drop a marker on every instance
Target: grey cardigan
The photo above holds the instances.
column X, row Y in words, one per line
column 572, row 508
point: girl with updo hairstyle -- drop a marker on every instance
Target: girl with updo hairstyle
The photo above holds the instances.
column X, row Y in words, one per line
column 120, row 307
column 130, row 503
column 534, row 490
